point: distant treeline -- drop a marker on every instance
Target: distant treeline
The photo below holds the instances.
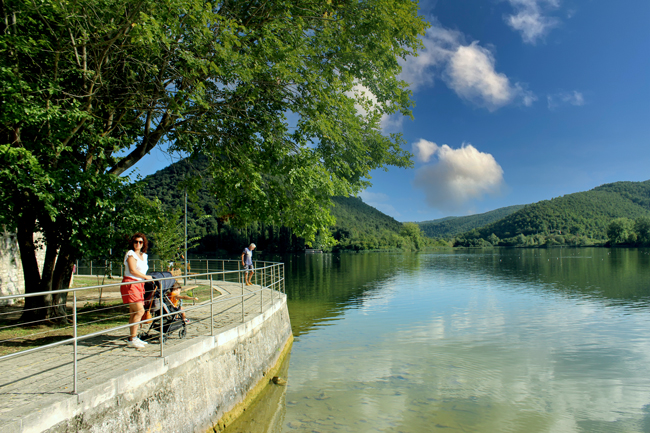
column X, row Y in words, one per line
column 451, row 226
column 612, row 214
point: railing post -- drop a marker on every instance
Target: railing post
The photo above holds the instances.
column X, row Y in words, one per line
column 238, row 271
column 211, row 307
column 242, row 298
column 284, row 280
column 162, row 335
column 272, row 283
column 223, row 270
column 262, row 290
column 74, row 343
column 91, row 267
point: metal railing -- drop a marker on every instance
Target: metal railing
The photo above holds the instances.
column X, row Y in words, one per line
column 195, row 266
column 268, row 276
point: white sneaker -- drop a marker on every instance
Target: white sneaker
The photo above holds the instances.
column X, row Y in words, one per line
column 141, row 341
column 135, row 343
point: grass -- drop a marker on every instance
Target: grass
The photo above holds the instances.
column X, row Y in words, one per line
column 92, row 316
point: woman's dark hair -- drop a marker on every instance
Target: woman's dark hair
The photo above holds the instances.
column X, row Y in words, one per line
column 144, row 239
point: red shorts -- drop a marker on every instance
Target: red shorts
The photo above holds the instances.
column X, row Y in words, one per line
column 132, row 292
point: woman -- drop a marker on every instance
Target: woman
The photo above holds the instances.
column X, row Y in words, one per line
column 135, row 269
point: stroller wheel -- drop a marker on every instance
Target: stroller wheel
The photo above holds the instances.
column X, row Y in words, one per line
column 182, row 333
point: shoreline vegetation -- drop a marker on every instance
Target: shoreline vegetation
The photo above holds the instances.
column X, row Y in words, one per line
column 615, row 214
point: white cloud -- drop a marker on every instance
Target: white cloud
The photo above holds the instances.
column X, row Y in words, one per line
column 565, row 98
column 459, row 175
column 366, row 102
column 439, row 45
column 468, row 69
column 471, row 74
column 424, row 149
column 392, row 123
column 531, row 19
column 365, row 99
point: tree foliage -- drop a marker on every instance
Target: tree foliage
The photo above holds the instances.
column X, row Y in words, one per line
column 90, row 87
column 357, row 225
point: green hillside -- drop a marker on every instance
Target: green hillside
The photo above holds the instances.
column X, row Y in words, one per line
column 576, row 218
column 358, row 225
column 450, row 226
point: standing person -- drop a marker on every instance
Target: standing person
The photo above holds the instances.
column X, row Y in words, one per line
column 247, row 262
column 135, row 269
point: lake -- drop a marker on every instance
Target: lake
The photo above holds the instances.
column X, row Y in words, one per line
column 503, row 340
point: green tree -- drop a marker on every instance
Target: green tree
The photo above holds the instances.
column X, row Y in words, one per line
column 493, row 239
column 412, row 232
column 642, row 230
column 168, row 236
column 90, row 87
column 619, row 231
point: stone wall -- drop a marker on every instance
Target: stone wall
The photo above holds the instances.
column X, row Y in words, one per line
column 12, row 281
column 202, row 386
column 11, row 270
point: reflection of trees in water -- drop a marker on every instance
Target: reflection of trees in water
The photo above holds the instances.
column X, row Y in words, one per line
column 617, row 274
column 321, row 286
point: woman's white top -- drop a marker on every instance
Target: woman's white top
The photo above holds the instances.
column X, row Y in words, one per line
column 140, row 265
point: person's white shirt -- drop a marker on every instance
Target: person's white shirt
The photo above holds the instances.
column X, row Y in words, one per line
column 140, row 265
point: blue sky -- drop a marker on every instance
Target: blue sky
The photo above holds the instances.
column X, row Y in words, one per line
column 555, row 93
column 533, row 99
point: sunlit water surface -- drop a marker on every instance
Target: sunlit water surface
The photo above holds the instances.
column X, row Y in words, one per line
column 509, row 340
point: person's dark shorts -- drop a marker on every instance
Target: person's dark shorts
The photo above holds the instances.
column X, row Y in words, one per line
column 248, row 267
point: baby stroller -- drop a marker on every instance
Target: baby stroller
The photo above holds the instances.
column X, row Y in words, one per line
column 153, row 305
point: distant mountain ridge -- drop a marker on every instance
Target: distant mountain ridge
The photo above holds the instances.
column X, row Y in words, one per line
column 583, row 214
column 450, row 226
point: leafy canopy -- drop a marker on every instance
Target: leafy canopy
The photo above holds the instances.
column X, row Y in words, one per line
column 285, row 98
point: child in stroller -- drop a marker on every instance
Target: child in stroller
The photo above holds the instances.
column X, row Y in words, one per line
column 177, row 300
column 157, row 298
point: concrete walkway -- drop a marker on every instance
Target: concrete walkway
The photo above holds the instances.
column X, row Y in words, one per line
column 37, row 380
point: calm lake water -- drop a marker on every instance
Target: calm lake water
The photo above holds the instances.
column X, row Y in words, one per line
column 505, row 340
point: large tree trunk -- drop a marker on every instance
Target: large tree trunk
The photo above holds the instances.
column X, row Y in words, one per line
column 61, row 281
column 33, row 310
column 57, row 269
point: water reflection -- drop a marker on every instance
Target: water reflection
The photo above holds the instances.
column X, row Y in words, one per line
column 477, row 341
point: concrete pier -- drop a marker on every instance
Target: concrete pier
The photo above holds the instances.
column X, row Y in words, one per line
column 202, row 383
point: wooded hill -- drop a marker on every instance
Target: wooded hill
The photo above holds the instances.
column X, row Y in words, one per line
column 576, row 219
column 358, row 225
column 451, row 226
